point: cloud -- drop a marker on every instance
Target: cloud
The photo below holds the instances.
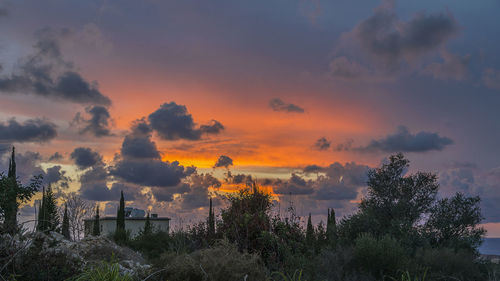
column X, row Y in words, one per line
column 403, row 141
column 3, row 12
column 312, row 169
column 452, row 68
column 295, row 185
column 27, row 163
column 279, row 105
column 98, row 124
column 198, row 195
column 239, row 179
column 138, row 144
column 93, row 184
column 389, row 40
column 223, row 161
column 45, row 73
column 56, row 156
column 344, row 68
column 491, row 78
column 172, row 122
column 32, row 130
column 151, row 172
column 345, row 146
column 322, row 144
column 84, row 157
column 55, row 175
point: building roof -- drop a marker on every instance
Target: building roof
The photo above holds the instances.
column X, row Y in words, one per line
column 129, row 219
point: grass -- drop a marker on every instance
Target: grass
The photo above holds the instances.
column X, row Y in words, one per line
column 103, row 272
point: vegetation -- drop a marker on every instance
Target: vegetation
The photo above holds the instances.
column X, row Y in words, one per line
column 401, row 232
column 96, row 230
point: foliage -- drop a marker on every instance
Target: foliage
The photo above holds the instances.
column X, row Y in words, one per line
column 12, row 194
column 331, row 228
column 454, row 223
column 310, row 239
column 296, row 276
column 120, row 216
column 379, row 256
column 48, row 217
column 148, row 228
column 105, row 271
column 246, row 217
column 65, row 223
column 221, row 262
column 96, row 230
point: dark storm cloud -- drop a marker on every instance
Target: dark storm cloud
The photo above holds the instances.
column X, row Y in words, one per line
column 84, row 157
column 389, row 39
column 138, row 144
column 55, row 175
column 403, row 141
column 322, row 144
column 223, row 161
column 279, row 105
column 98, row 124
column 172, row 122
column 45, row 73
column 295, row 185
column 93, row 184
column 56, row 156
column 312, row 169
column 32, row 130
column 151, row 172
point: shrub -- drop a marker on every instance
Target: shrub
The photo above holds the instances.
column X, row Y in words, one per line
column 222, row 262
column 103, row 272
column 379, row 256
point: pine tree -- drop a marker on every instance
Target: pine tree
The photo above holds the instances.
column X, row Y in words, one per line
column 96, row 231
column 331, row 228
column 148, row 228
column 320, row 236
column 48, row 219
column 65, row 223
column 309, row 232
column 211, row 221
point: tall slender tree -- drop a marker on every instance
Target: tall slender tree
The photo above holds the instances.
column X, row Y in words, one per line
column 148, row 228
column 96, row 231
column 120, row 216
column 48, row 218
column 309, row 232
column 331, row 228
column 65, row 223
column 211, row 221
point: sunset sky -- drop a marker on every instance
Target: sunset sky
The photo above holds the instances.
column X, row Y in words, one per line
column 174, row 102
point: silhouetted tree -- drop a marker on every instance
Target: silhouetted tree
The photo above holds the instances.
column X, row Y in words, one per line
column 211, row 221
column 331, row 228
column 120, row 216
column 309, row 232
column 148, row 228
column 65, row 223
column 96, row 231
column 12, row 194
column 48, row 218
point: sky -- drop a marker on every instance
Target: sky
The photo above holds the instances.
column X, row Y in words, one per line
column 174, row 102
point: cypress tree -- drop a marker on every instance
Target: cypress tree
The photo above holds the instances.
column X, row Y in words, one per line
column 96, row 231
column 65, row 223
column 120, row 216
column 42, row 223
column 309, row 232
column 211, row 221
column 48, row 218
column 11, row 192
column 331, row 228
column 148, row 228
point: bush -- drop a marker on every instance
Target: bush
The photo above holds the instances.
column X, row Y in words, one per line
column 222, row 262
column 103, row 272
column 379, row 256
column 450, row 264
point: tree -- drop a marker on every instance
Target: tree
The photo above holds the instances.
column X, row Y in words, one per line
column 331, row 228
column 120, row 216
column 78, row 210
column 211, row 221
column 148, row 228
column 96, row 231
column 309, row 232
column 246, row 217
column 12, row 194
column 48, row 218
column 65, row 223
column 395, row 202
column 454, row 222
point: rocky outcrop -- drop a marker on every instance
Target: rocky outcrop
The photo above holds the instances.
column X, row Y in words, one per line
column 16, row 250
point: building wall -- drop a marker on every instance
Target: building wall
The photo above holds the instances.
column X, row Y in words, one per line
column 134, row 226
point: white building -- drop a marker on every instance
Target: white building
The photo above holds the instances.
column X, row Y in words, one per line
column 132, row 224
